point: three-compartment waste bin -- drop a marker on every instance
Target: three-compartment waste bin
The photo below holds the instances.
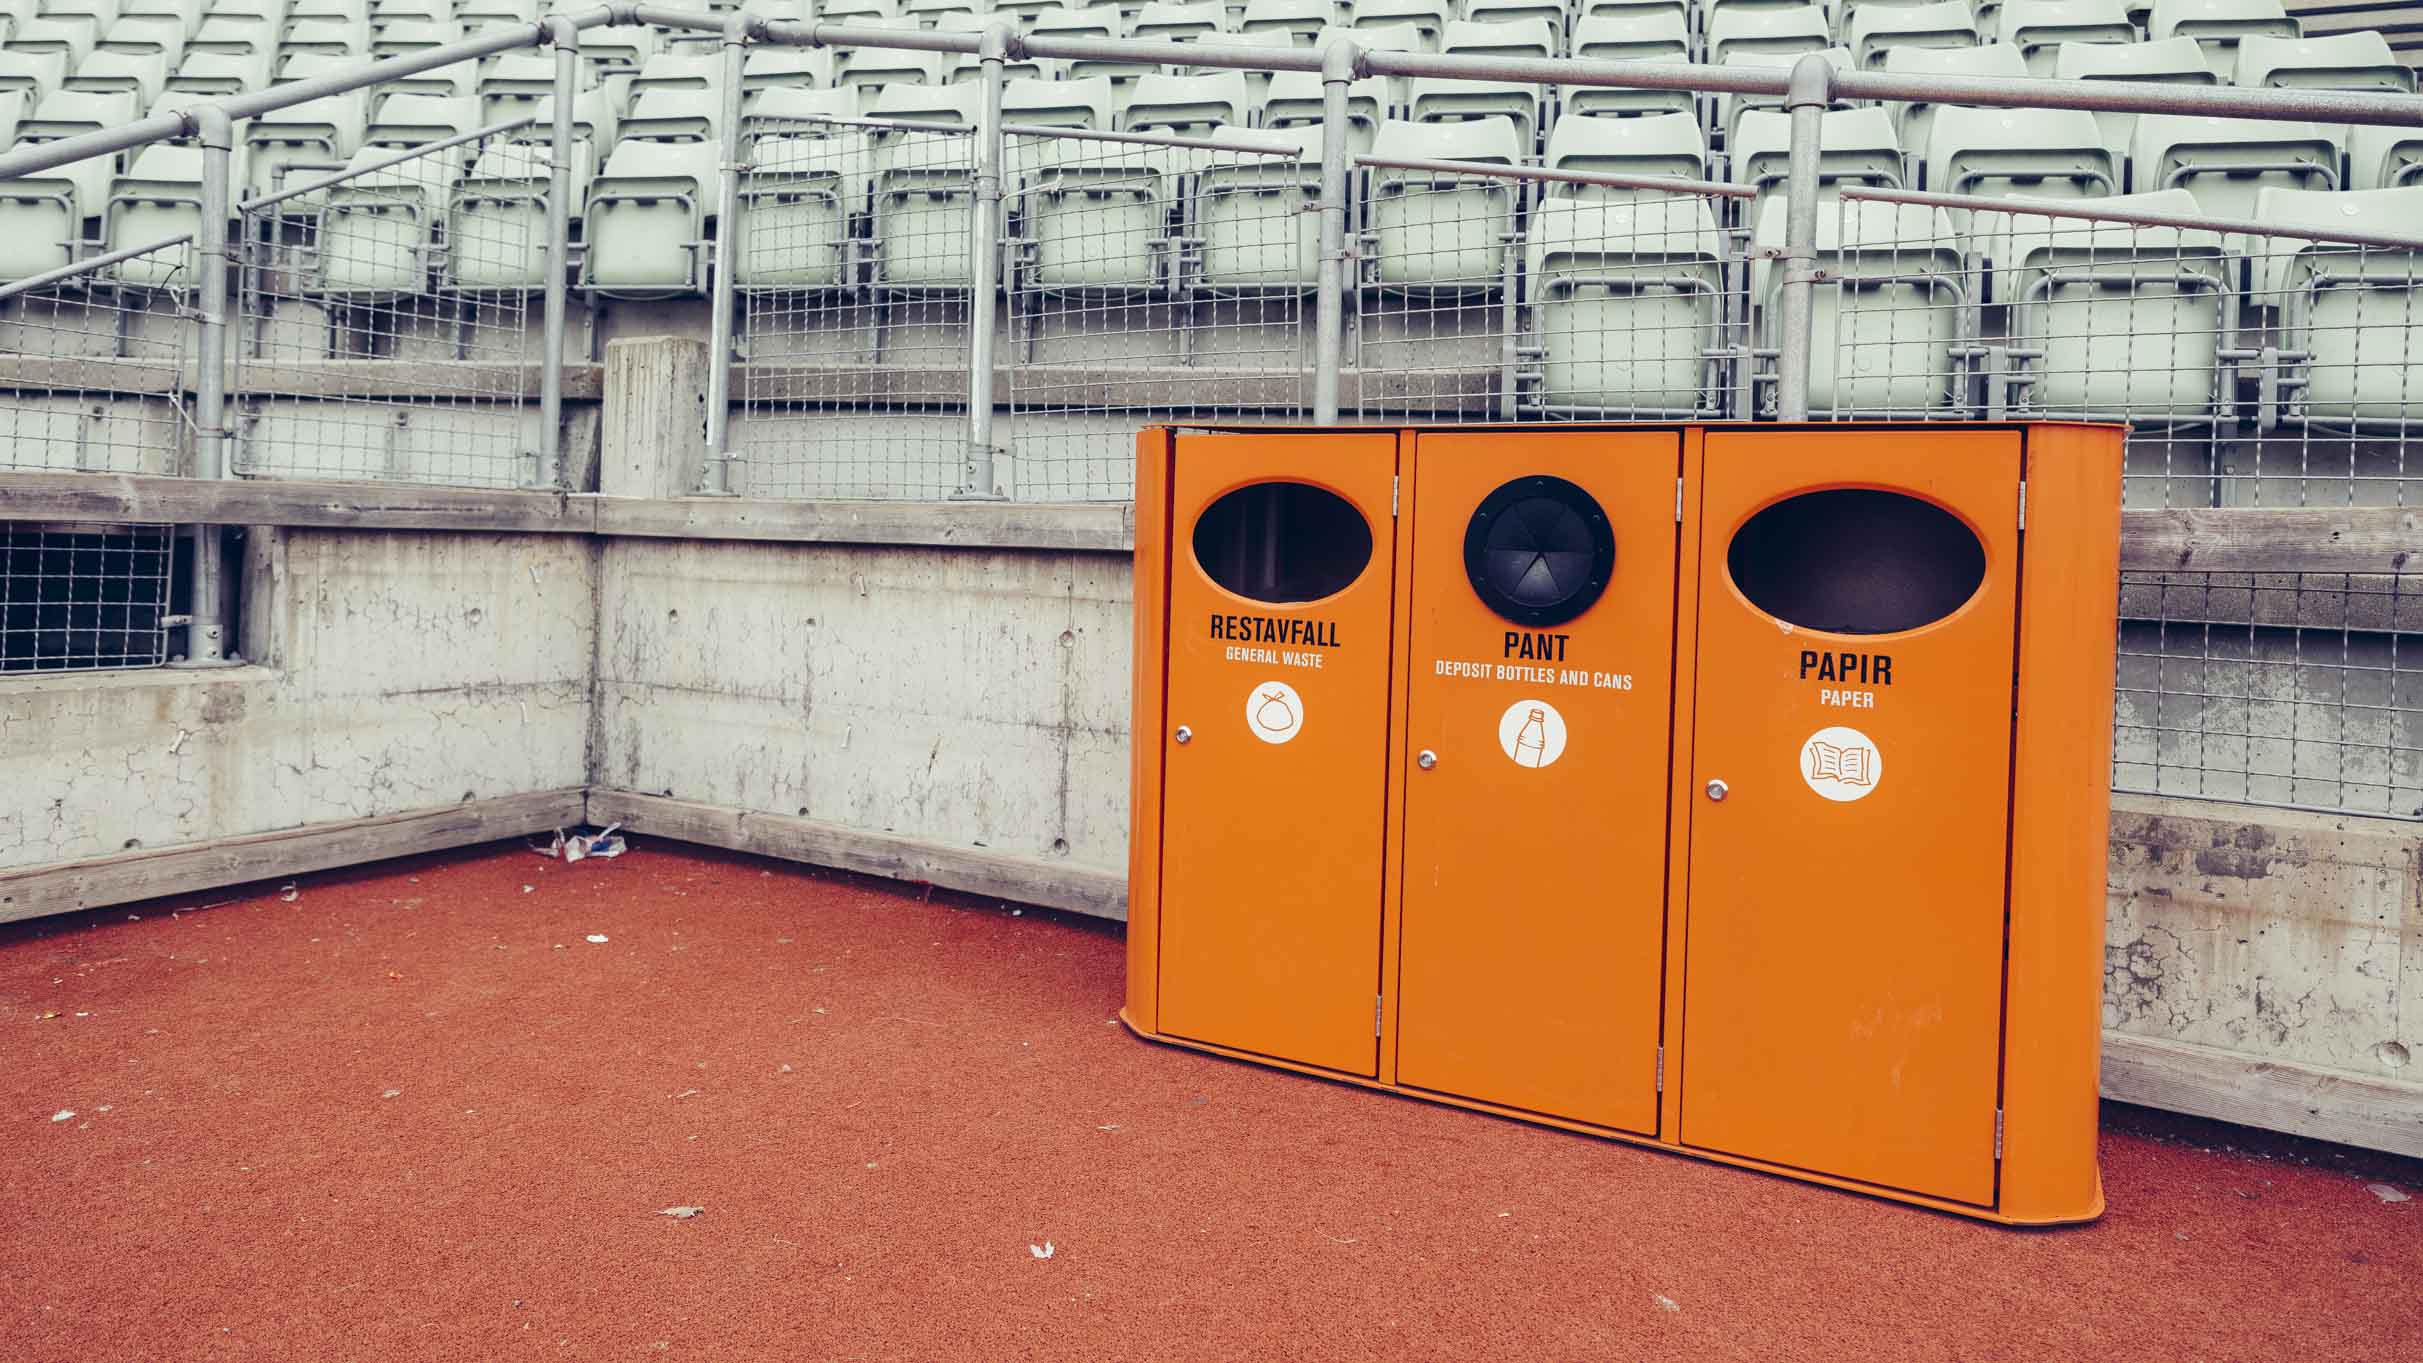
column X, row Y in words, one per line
column 1737, row 789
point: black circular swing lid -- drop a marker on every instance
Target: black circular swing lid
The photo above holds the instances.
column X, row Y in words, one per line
column 1539, row 551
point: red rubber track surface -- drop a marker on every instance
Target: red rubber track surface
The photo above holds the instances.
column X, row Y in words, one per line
column 883, row 1101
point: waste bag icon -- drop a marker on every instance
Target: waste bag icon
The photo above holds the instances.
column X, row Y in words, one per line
column 1274, row 712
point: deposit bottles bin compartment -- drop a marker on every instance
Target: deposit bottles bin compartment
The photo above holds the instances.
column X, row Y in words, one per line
column 1736, row 789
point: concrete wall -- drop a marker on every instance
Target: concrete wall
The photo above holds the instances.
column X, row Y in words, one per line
column 387, row 672
column 976, row 699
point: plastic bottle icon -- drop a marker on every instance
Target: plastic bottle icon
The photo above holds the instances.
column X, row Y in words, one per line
column 1531, row 743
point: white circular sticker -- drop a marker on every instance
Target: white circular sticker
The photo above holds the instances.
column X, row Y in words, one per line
column 1532, row 733
column 1274, row 712
column 1841, row 763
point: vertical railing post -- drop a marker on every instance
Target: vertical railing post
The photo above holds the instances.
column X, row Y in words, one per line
column 206, row 636
column 565, row 39
column 979, row 476
column 1812, row 88
column 1338, row 61
column 715, row 476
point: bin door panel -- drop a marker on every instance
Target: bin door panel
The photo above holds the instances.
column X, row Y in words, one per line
column 1844, row 935
column 1535, row 845
column 1273, row 809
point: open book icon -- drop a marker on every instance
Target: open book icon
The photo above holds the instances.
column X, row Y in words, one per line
column 1851, row 766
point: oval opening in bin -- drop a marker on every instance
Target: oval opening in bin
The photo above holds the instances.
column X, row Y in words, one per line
column 1856, row 561
column 1282, row 542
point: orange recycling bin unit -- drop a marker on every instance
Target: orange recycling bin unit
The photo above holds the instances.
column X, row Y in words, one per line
column 1735, row 789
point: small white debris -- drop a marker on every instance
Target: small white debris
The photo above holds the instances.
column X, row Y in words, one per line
column 103, row 1108
column 1664, row 1302
column 786, row 1069
column 2386, row 1193
column 526, row 889
column 1108, row 1126
column 681, row 1213
column 1042, row 1251
column 597, row 939
column 1017, row 913
column 65, row 1114
column 685, row 1093
column 289, row 893
column 392, row 1093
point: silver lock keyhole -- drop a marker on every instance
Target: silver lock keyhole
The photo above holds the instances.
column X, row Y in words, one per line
column 1718, row 790
column 1184, row 735
column 1426, row 759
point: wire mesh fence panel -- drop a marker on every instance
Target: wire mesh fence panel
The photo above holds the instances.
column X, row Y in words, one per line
column 1151, row 282
column 1435, row 331
column 1632, row 306
column 387, row 318
column 77, row 597
column 852, row 264
column 2278, row 689
column 95, row 313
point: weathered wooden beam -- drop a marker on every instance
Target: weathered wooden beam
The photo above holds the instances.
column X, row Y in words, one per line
column 1055, row 885
column 156, row 871
column 345, row 506
column 2321, row 539
column 2228, row 1086
column 461, row 380
column 1108, row 527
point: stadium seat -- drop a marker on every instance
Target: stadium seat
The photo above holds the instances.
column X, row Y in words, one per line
column 1083, row 102
column 144, row 73
column 32, row 74
column 675, row 116
column 2218, row 25
column 1873, row 31
column 794, row 226
column 2117, row 320
column 1301, row 20
column 2351, row 313
column 1426, row 18
column 513, row 85
column 681, row 71
column 1783, row 31
column 1553, row 12
column 869, row 69
column 2359, row 61
column 1528, row 36
column 221, row 73
column 1179, row 21
column 1913, row 119
column 645, row 223
column 1730, row 106
column 1670, row 146
column 376, row 232
column 1188, row 105
column 2223, row 162
column 1888, row 322
column 1658, row 35
column 2174, row 61
column 773, row 66
column 1627, row 307
column 1093, row 216
column 414, row 35
column 314, row 133
column 2383, row 157
column 1294, row 101
column 410, row 120
column 1857, row 147
column 1431, row 231
column 1253, row 217
column 2038, row 27
column 159, row 196
column 496, row 221
column 74, row 36
column 2026, row 153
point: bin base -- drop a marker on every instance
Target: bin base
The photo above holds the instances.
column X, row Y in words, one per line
column 2091, row 1210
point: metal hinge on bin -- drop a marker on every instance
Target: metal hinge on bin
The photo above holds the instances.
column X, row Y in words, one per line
column 1998, row 1135
column 1661, row 1069
column 1376, row 1001
column 2023, row 503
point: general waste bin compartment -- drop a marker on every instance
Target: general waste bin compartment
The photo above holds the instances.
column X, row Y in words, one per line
column 1733, row 789
column 1280, row 593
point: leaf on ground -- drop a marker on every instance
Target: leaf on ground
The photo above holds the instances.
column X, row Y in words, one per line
column 681, row 1213
column 1042, row 1251
column 1664, row 1302
column 2386, row 1193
